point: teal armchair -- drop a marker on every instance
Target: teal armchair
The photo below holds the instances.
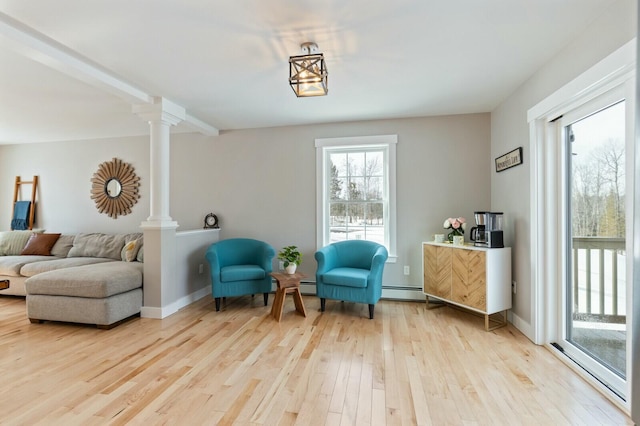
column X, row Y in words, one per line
column 351, row 271
column 240, row 266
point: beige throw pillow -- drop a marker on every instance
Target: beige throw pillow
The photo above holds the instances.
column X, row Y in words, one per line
column 62, row 246
column 12, row 242
column 130, row 250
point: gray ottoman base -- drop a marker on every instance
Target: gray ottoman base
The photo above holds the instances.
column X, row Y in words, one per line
column 101, row 294
column 104, row 312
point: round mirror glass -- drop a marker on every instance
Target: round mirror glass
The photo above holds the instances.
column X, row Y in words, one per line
column 113, row 188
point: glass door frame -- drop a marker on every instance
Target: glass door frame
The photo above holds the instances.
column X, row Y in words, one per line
column 545, row 274
column 623, row 92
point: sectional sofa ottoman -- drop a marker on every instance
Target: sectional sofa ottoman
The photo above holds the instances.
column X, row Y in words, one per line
column 87, row 278
column 101, row 294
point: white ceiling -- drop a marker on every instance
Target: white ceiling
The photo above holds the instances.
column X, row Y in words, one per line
column 226, row 61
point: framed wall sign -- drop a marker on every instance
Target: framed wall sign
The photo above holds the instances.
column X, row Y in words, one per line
column 508, row 160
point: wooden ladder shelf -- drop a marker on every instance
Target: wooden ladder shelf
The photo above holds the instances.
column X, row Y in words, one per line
column 16, row 193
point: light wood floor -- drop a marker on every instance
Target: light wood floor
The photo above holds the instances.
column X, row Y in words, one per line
column 238, row 366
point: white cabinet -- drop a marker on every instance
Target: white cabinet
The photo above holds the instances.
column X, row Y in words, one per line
column 474, row 278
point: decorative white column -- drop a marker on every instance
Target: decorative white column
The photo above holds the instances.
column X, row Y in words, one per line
column 159, row 229
column 161, row 115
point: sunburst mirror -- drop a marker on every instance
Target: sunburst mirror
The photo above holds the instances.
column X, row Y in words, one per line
column 114, row 188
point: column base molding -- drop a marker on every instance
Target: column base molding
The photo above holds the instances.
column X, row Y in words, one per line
column 159, row 224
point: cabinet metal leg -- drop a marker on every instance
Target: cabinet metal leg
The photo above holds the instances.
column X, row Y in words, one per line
column 501, row 322
column 435, row 303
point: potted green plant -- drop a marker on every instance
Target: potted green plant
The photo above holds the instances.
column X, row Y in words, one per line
column 291, row 257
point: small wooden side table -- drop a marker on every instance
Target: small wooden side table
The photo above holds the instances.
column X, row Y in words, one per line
column 4, row 284
column 287, row 283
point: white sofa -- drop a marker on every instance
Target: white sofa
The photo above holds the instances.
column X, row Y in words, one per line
column 87, row 278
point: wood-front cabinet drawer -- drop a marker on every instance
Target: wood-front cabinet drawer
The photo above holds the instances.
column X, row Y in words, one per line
column 437, row 271
column 469, row 278
column 476, row 278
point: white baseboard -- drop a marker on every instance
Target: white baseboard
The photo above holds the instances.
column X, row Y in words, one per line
column 151, row 312
column 404, row 293
column 399, row 293
column 524, row 327
column 165, row 311
column 307, row 288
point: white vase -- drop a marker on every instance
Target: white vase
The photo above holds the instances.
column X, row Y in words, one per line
column 291, row 269
column 458, row 240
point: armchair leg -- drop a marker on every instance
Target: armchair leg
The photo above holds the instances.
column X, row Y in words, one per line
column 322, row 303
column 371, row 307
column 217, row 304
column 266, row 299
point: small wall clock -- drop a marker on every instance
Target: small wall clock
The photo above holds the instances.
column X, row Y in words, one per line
column 211, row 221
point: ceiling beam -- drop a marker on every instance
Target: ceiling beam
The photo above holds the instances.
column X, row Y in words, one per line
column 47, row 51
column 200, row 126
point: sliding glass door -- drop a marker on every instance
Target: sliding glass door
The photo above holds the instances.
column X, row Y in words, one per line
column 596, row 264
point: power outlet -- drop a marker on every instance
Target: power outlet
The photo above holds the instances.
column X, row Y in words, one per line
column 513, row 286
column 281, row 265
column 407, row 270
column 201, row 268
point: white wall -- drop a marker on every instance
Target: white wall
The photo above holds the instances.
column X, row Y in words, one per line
column 65, row 170
column 510, row 189
column 261, row 182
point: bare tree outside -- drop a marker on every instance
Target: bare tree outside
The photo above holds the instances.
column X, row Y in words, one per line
column 598, row 192
column 597, row 280
column 357, row 195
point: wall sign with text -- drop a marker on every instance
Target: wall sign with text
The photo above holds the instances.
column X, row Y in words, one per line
column 508, row 160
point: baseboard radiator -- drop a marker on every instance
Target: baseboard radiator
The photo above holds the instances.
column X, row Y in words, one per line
column 388, row 292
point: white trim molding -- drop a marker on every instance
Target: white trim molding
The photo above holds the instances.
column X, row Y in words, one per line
column 612, row 71
column 606, row 83
column 389, row 142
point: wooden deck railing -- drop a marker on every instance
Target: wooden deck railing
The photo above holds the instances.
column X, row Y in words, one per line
column 603, row 247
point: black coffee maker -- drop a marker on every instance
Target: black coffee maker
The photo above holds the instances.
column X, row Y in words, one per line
column 488, row 230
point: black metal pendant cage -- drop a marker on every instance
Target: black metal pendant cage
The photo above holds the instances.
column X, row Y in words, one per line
column 308, row 75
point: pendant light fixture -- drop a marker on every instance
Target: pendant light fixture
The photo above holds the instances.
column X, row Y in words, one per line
column 308, row 74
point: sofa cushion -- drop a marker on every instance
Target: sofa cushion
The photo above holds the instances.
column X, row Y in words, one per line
column 347, row 277
column 37, row 267
column 133, row 236
column 97, row 245
column 12, row 242
column 11, row 266
column 40, row 244
column 62, row 246
column 93, row 281
column 241, row 273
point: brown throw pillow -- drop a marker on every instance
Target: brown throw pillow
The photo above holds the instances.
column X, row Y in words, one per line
column 40, row 244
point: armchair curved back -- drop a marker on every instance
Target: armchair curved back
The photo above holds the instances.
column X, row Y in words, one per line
column 351, row 270
column 355, row 253
column 240, row 266
column 241, row 251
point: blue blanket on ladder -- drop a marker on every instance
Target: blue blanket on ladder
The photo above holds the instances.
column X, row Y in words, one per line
column 21, row 215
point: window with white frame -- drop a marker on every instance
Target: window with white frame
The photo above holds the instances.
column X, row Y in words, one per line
column 356, row 189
